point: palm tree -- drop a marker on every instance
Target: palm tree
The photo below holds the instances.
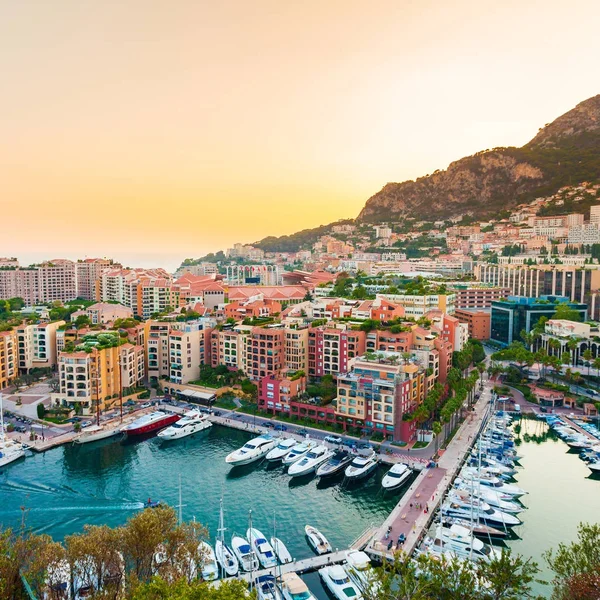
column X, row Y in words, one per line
column 437, row 429
column 587, row 357
column 596, row 365
column 554, row 345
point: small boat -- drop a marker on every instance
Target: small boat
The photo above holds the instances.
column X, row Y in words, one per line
column 266, row 588
column 150, row 423
column 244, row 553
column 338, row 462
column 262, row 548
column 283, row 554
column 210, row 569
column 297, row 452
column 396, row 476
column 282, row 448
column 251, row 451
column 192, row 422
column 336, row 580
column 293, row 588
column 362, row 465
column 317, row 540
column 310, row 462
column 95, row 433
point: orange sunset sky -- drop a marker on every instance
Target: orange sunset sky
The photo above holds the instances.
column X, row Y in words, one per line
column 151, row 130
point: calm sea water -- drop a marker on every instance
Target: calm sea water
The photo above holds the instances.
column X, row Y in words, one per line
column 105, row 482
column 562, row 493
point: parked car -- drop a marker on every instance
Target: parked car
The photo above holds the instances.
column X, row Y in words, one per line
column 129, row 403
column 217, row 413
column 146, row 405
column 268, row 424
column 20, row 428
column 205, row 410
column 86, row 423
column 280, row 427
column 333, row 439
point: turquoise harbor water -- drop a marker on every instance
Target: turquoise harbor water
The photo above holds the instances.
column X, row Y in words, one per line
column 106, row 482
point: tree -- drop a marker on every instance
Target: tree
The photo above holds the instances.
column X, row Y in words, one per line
column 565, row 312
column 587, row 357
column 82, row 321
column 159, row 589
column 41, row 410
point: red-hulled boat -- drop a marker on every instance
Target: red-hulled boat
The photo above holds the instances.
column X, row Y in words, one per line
column 150, row 422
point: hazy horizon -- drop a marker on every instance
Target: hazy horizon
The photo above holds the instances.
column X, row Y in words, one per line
column 148, row 131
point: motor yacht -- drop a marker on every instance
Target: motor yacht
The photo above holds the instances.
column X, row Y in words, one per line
column 459, row 541
column 298, row 451
column 283, row 554
column 10, row 451
column 281, row 449
column 210, row 568
column 243, row 551
column 338, row 582
column 266, row 588
column 397, row 476
column 358, row 567
column 362, row 465
column 473, row 509
column 251, row 451
column 478, row 529
column 192, row 422
column 310, row 462
column 150, row 423
column 488, row 480
column 489, row 496
column 317, row 540
column 293, row 588
column 594, row 467
column 336, row 463
column 262, row 548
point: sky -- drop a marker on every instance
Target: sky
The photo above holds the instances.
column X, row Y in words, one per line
column 154, row 130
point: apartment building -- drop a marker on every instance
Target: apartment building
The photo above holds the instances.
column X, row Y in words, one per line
column 477, row 321
column 330, row 349
column 175, row 350
column 588, row 233
column 103, row 313
column 296, row 349
column 228, row 347
column 88, row 272
column 479, row 297
column 277, row 394
column 265, row 352
column 386, row 341
column 36, row 345
column 251, row 309
column 38, row 284
column 417, row 305
column 8, row 357
column 94, row 375
column 376, row 394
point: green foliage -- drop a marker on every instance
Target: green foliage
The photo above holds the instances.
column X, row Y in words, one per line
column 41, row 410
column 218, row 376
column 564, row 311
column 159, row 589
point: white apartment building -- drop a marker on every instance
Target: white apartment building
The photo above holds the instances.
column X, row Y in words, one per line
column 588, row 233
column 36, row 346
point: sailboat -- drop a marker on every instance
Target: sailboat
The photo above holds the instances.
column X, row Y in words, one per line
column 9, row 449
column 225, row 556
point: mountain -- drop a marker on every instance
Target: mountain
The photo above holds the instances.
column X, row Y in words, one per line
column 564, row 152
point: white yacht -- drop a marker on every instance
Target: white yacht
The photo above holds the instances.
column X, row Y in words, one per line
column 262, row 548
column 210, row 569
column 473, row 509
column 223, row 553
column 459, row 541
column 492, row 482
column 293, row 588
column 298, row 451
column 283, row 447
column 283, row 554
column 317, row 540
column 358, row 567
column 266, row 588
column 251, row 451
column 9, row 449
column 95, row 433
column 396, row 476
column 361, row 466
column 338, row 462
column 310, row 462
column 336, row 580
column 594, row 467
column 192, row 422
column 244, row 553
column 487, row 494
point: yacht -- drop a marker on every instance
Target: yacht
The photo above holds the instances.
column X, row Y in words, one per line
column 283, row 554
column 9, row 449
column 150, row 423
column 210, row 569
column 293, row 588
column 192, row 422
column 244, row 553
column 317, row 540
column 472, row 509
column 336, row 463
column 478, row 529
column 262, row 548
column 223, row 553
column 594, row 467
column 396, row 476
column 297, row 452
column 95, row 433
column 251, row 451
column 459, row 541
column 336, row 580
column 488, row 495
column 361, row 466
column 282, row 448
column 266, row 588
column 310, row 462
column 358, row 567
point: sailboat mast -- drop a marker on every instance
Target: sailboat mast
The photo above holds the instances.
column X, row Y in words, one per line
column 97, row 391
column 252, row 549
column 1, row 417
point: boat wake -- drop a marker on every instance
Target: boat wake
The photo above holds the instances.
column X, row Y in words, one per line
column 58, row 509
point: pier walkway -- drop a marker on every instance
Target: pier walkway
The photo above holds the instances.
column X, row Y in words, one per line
column 410, row 516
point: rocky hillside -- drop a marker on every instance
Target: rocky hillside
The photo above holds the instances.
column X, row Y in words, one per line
column 566, row 151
